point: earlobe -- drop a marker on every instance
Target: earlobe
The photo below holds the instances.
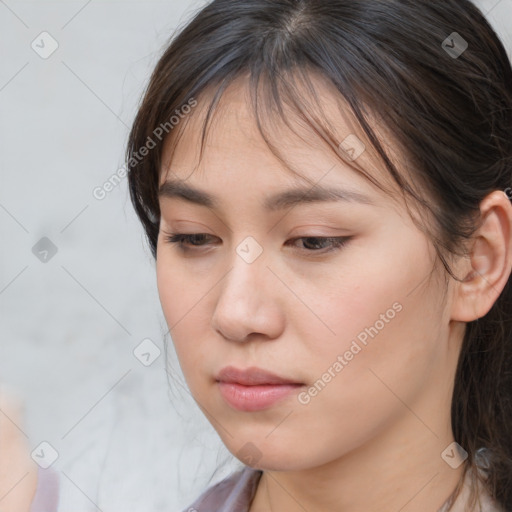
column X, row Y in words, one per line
column 488, row 267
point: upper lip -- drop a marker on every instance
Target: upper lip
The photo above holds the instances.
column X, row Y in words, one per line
column 252, row 376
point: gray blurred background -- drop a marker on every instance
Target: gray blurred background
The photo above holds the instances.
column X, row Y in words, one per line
column 77, row 283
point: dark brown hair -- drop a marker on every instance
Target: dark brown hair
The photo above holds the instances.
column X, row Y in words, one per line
column 449, row 113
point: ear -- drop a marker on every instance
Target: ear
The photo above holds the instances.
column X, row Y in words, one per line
column 487, row 270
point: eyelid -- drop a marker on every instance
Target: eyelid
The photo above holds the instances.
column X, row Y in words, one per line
column 177, row 239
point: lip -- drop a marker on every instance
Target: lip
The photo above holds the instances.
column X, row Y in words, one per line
column 252, row 376
column 253, row 389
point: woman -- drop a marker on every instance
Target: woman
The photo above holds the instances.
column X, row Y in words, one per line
column 322, row 185
column 325, row 187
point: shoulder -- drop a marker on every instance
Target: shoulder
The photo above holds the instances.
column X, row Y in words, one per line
column 230, row 494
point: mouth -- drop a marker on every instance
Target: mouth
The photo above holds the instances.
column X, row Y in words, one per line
column 253, row 389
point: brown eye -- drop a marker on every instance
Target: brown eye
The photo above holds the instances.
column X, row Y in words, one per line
column 311, row 244
column 193, row 239
column 331, row 243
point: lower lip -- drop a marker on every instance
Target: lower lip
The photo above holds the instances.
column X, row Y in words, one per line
column 255, row 398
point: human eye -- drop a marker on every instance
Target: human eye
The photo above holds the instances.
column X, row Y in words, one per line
column 322, row 245
column 184, row 241
column 311, row 244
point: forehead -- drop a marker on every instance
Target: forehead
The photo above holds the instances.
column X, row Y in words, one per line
column 312, row 139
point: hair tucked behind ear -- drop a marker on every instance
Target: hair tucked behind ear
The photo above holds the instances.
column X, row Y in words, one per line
column 450, row 114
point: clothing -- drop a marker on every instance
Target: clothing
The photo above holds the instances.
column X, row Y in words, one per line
column 235, row 493
column 46, row 498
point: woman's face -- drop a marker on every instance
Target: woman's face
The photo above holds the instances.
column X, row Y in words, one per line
column 333, row 296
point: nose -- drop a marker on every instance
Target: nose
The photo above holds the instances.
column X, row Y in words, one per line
column 249, row 304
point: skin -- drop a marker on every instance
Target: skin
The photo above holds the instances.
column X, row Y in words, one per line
column 372, row 439
column 18, row 472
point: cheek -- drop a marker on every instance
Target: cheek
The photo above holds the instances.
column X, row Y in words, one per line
column 360, row 392
column 387, row 334
column 170, row 291
column 180, row 298
column 382, row 314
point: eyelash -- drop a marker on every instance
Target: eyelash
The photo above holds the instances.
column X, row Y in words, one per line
column 178, row 240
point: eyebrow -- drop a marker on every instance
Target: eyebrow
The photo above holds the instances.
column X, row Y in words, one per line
column 285, row 199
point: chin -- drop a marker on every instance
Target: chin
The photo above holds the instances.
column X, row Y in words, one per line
column 264, row 453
